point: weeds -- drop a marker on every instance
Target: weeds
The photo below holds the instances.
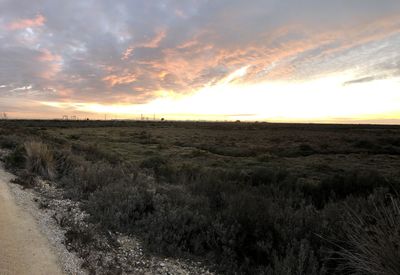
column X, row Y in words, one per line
column 16, row 159
column 246, row 209
column 373, row 237
column 40, row 159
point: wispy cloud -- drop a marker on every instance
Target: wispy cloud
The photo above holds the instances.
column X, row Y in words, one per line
column 37, row 21
column 364, row 79
column 133, row 51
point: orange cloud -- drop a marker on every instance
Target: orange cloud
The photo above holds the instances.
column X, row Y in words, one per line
column 47, row 56
column 152, row 43
column 115, row 79
column 38, row 21
column 155, row 41
column 53, row 61
column 127, row 53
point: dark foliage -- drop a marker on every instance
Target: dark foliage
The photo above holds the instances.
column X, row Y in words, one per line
column 249, row 209
column 16, row 159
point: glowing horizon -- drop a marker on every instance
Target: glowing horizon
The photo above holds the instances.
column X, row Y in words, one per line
column 258, row 105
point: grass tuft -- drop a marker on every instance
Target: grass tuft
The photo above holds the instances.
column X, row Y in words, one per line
column 40, row 159
column 374, row 238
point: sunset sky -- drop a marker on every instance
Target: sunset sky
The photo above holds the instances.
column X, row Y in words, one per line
column 272, row 60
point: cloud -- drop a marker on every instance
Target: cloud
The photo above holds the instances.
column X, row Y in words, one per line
column 114, row 80
column 133, row 51
column 37, row 21
column 364, row 79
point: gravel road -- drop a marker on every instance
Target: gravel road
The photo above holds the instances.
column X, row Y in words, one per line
column 24, row 248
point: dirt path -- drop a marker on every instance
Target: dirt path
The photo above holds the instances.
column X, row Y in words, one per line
column 23, row 249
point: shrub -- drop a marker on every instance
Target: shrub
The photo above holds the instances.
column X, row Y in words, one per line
column 373, row 237
column 90, row 177
column 40, row 159
column 74, row 137
column 121, row 205
column 306, row 150
column 163, row 171
column 25, row 179
column 93, row 152
column 9, row 141
column 16, row 159
column 176, row 229
column 66, row 162
column 339, row 186
column 267, row 175
column 298, row 259
column 365, row 144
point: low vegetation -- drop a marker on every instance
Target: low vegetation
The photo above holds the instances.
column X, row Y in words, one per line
column 244, row 198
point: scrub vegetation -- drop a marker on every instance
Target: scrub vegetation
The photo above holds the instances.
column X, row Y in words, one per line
column 246, row 198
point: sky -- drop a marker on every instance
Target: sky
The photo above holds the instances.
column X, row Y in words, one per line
column 335, row 61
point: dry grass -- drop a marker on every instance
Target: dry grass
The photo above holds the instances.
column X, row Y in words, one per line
column 374, row 239
column 40, row 159
column 250, row 198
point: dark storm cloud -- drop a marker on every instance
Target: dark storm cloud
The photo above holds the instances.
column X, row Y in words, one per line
column 103, row 51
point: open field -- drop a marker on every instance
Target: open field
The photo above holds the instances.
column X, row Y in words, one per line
column 253, row 198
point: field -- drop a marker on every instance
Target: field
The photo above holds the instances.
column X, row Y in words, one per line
column 251, row 198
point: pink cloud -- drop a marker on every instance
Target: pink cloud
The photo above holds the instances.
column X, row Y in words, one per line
column 116, row 79
column 53, row 61
column 152, row 43
column 38, row 21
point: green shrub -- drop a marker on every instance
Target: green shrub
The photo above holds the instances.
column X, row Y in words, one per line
column 88, row 178
column 93, row 152
column 162, row 170
column 119, row 206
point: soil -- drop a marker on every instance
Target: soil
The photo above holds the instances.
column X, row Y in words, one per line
column 24, row 249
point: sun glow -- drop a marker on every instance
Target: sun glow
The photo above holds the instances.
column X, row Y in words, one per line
column 324, row 99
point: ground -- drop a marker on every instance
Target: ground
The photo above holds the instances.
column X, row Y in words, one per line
column 24, row 249
column 195, row 197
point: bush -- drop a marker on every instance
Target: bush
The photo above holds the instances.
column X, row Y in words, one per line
column 340, row 186
column 40, row 159
column 373, row 236
column 176, row 229
column 93, row 152
column 121, row 205
column 83, row 180
column 298, row 259
column 9, row 141
column 67, row 161
column 162, row 170
column 16, row 159
column 25, row 179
